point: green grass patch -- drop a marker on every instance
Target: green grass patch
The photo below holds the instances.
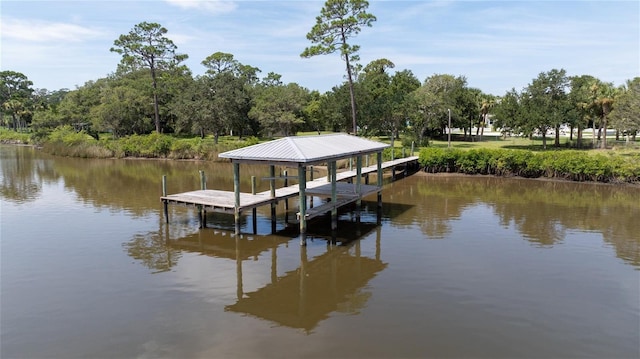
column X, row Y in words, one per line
column 11, row 136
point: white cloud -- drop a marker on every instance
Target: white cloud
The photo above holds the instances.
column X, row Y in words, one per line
column 210, row 6
column 44, row 31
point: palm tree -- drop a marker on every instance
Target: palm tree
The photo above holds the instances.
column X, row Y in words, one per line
column 486, row 104
column 603, row 95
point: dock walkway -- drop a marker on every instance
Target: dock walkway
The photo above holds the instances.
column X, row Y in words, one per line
column 224, row 201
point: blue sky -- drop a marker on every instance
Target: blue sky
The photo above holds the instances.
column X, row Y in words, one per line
column 496, row 45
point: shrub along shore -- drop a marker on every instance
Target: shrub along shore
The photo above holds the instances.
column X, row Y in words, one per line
column 574, row 165
column 562, row 164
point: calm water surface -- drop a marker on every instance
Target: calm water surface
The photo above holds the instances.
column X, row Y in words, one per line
column 459, row 267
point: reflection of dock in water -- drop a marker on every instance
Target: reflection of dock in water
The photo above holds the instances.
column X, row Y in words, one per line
column 301, row 298
column 221, row 245
column 330, row 282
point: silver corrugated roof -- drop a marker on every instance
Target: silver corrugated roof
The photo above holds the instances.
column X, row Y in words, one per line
column 306, row 149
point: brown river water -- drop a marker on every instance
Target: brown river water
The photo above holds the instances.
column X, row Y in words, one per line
column 460, row 267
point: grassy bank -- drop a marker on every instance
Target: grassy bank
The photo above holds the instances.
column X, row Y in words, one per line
column 66, row 141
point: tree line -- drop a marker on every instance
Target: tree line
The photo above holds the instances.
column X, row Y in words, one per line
column 153, row 91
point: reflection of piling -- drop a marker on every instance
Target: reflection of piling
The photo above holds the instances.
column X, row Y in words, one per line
column 378, row 235
column 303, row 280
column 274, row 263
column 239, row 289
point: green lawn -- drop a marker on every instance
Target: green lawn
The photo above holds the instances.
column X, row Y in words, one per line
column 493, row 141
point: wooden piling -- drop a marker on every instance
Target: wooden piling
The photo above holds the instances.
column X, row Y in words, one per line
column 358, row 185
column 334, row 196
column 236, row 190
column 286, row 201
column 254, row 210
column 165, row 204
column 203, row 181
column 203, row 211
column 302, row 184
column 272, row 188
column 379, row 158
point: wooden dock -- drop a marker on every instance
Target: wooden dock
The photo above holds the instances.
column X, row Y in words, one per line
column 224, row 201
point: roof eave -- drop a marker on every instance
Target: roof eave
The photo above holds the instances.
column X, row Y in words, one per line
column 310, row 161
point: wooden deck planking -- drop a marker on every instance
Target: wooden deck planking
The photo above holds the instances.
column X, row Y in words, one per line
column 328, row 206
column 374, row 168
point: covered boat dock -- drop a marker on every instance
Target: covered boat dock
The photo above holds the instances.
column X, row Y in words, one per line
column 300, row 153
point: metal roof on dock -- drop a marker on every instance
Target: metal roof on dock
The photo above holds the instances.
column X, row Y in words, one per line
column 306, row 149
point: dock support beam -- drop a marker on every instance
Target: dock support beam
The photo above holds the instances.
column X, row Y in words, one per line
column 311, row 179
column 366, row 164
column 272, row 187
column 165, row 204
column 203, row 211
column 302, row 183
column 379, row 209
column 358, row 186
column 236, row 190
column 334, row 196
column 286, row 201
column 379, row 179
column 254, row 210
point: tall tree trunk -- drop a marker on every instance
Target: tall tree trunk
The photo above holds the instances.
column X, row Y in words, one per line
column 480, row 128
column 579, row 136
column 156, row 110
column 571, row 133
column 557, row 138
column 604, row 133
column 14, row 124
column 351, row 94
column 470, row 129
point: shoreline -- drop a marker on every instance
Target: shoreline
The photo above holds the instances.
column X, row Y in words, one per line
column 422, row 173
